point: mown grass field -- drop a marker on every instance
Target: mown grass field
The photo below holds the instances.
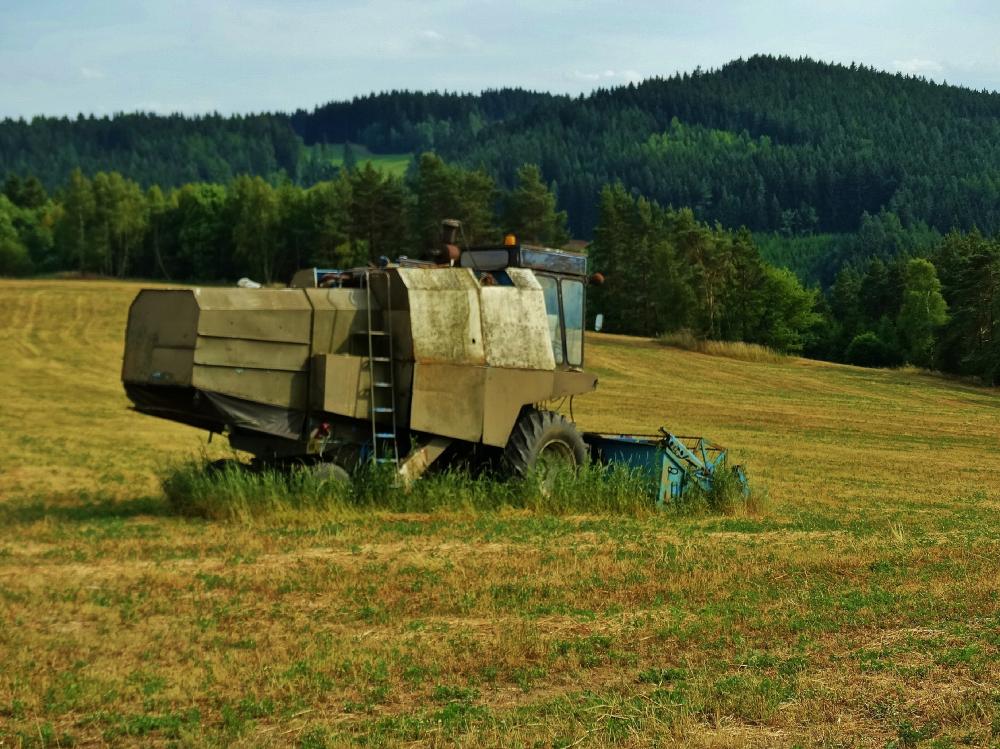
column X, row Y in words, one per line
column 390, row 163
column 859, row 608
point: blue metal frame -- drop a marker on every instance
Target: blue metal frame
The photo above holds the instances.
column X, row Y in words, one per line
column 674, row 464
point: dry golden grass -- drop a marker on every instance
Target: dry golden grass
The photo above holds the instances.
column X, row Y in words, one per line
column 860, row 610
column 752, row 352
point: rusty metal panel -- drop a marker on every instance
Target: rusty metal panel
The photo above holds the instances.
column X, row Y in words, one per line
column 337, row 314
column 159, row 319
column 256, row 314
column 337, row 385
column 287, row 389
column 402, row 340
column 506, row 391
column 569, row 382
column 220, row 298
column 448, row 399
column 396, row 287
column 170, row 366
column 445, row 316
column 515, row 325
column 238, row 352
column 291, row 326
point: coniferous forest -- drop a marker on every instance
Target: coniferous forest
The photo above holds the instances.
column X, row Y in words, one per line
column 837, row 211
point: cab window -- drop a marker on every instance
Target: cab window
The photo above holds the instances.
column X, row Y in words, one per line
column 572, row 299
column 551, row 291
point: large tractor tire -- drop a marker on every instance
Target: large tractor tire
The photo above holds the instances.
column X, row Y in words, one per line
column 543, row 442
column 325, row 470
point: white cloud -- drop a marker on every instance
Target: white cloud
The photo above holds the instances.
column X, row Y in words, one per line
column 91, row 74
column 609, row 75
column 917, row 66
column 431, row 35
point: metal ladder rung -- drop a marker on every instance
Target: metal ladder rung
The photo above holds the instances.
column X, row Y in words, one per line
column 384, row 445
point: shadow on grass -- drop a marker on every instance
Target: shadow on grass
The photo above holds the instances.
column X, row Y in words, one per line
column 88, row 509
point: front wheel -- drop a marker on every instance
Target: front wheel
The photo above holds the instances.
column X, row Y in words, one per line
column 543, row 442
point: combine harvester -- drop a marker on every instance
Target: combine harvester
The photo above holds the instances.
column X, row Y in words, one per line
column 403, row 364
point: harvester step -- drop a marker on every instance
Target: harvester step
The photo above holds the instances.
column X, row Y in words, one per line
column 380, row 358
column 383, row 384
column 385, row 460
column 371, row 332
column 385, row 435
column 383, row 409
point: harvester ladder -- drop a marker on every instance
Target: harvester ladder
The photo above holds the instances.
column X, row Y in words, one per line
column 382, row 385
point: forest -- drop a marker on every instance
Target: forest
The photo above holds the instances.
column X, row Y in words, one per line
column 792, row 147
column 836, row 211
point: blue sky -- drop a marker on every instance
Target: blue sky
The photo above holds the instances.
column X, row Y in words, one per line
column 68, row 56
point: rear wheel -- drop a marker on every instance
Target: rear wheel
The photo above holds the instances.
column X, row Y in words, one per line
column 543, row 442
column 326, row 470
column 226, row 464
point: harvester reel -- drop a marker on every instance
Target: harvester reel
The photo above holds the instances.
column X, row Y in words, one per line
column 546, row 442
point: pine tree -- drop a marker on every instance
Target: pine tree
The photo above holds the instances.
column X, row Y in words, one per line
column 349, row 162
column 922, row 313
column 255, row 213
column 531, row 210
column 14, row 259
column 73, row 232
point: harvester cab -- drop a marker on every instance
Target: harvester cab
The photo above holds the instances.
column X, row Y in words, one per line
column 400, row 363
column 561, row 275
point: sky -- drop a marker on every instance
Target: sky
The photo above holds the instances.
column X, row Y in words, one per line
column 61, row 57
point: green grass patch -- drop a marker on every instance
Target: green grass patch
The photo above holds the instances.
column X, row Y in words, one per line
column 237, row 492
column 395, row 164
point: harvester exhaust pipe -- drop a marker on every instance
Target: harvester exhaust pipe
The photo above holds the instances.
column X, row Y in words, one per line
column 449, row 251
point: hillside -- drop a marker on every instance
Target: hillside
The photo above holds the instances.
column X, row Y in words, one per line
column 858, row 609
column 778, row 145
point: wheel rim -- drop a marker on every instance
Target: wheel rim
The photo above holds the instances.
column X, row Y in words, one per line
column 554, row 457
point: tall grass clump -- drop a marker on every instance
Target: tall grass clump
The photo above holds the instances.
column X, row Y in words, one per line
column 725, row 497
column 235, row 492
column 751, row 352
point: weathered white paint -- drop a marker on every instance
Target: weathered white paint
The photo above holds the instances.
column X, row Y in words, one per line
column 515, row 325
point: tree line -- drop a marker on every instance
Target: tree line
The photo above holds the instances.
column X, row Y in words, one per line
column 110, row 225
column 938, row 307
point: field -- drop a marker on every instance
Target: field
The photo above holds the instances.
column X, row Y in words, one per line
column 390, row 163
column 858, row 608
